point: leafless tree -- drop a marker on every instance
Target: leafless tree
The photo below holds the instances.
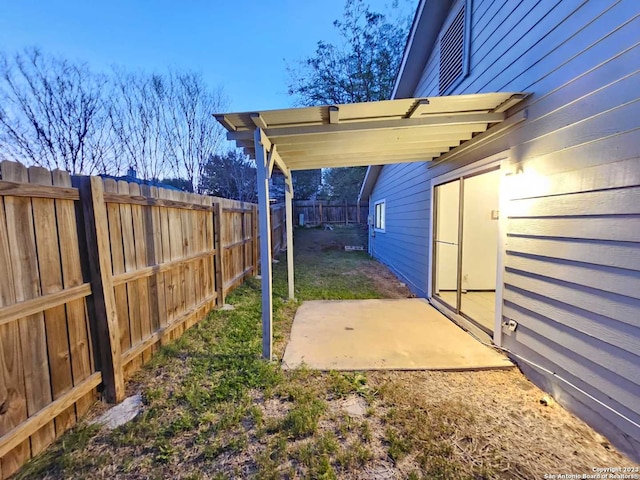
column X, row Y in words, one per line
column 59, row 114
column 53, row 113
column 137, row 118
column 192, row 134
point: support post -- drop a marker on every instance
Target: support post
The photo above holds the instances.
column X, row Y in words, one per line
column 265, row 241
column 219, row 258
column 289, row 220
column 97, row 232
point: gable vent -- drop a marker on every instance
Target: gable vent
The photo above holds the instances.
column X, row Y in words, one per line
column 452, row 52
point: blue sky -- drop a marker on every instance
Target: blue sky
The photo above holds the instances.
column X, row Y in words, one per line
column 243, row 46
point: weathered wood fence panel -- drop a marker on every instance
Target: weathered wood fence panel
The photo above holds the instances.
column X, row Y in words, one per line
column 237, row 239
column 48, row 377
column 321, row 212
column 162, row 253
column 95, row 275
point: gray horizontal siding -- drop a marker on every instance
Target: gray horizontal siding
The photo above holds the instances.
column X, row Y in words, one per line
column 572, row 262
column 403, row 246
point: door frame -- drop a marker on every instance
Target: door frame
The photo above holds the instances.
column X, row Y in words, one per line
column 500, row 160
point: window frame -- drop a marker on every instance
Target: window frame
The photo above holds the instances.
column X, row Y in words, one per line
column 383, row 216
column 466, row 47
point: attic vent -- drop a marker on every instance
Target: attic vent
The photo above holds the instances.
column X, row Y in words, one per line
column 452, row 51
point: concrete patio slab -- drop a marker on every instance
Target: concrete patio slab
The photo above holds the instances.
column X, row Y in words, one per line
column 406, row 334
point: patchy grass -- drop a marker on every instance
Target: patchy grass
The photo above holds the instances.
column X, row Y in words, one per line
column 214, row 409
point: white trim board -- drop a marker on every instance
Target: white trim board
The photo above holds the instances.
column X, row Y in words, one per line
column 383, row 202
column 500, row 160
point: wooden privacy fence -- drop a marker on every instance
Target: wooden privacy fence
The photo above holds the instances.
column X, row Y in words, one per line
column 95, row 275
column 320, row 212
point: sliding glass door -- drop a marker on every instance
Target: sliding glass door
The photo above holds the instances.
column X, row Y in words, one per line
column 446, row 242
column 465, row 246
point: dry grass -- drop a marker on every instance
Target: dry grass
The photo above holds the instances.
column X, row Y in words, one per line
column 213, row 409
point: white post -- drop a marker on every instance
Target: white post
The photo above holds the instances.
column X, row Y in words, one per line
column 289, row 216
column 265, row 242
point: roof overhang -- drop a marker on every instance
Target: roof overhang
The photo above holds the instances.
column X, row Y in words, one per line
column 363, row 134
column 422, row 37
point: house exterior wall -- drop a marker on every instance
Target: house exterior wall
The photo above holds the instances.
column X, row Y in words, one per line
column 572, row 253
column 407, row 198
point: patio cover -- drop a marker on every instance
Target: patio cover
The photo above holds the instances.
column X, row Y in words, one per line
column 358, row 134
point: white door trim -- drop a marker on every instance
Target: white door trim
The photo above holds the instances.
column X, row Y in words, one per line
column 500, row 160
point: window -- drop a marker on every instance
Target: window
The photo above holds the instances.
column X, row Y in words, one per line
column 454, row 49
column 379, row 220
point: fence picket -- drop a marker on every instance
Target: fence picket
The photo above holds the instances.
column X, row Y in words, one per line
column 19, row 215
column 80, row 344
column 142, row 284
column 12, row 392
column 116, row 239
column 55, row 318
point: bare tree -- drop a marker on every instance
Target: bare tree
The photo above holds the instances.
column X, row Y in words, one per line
column 192, row 134
column 59, row 114
column 137, row 116
column 53, row 113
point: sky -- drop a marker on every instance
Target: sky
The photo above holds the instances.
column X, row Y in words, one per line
column 243, row 46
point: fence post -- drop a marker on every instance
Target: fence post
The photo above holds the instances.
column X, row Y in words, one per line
column 346, row 212
column 244, row 238
column 255, row 241
column 320, row 209
column 108, row 335
column 219, row 264
column 358, row 212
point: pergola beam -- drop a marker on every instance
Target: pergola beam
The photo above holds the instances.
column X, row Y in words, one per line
column 369, row 159
column 364, row 153
column 294, row 166
column 377, row 125
column 277, row 158
column 418, row 108
column 222, row 119
column 365, row 135
column 334, row 114
column 271, row 159
column 258, row 121
column 397, row 145
column 389, row 134
column 273, row 152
